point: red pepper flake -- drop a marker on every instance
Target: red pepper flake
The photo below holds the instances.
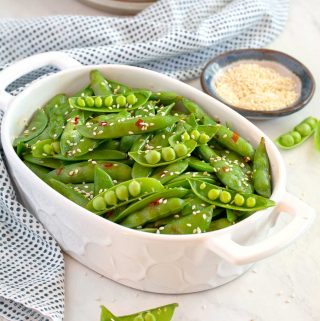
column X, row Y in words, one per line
column 59, row 171
column 76, row 120
column 139, row 123
column 108, row 165
column 155, row 202
column 103, row 123
column 108, row 214
column 235, row 137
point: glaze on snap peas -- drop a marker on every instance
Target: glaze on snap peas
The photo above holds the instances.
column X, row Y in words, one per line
column 134, row 157
column 298, row 135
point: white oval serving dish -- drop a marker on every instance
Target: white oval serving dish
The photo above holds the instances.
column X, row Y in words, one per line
column 150, row 262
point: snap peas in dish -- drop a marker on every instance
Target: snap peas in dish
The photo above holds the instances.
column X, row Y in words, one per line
column 151, row 161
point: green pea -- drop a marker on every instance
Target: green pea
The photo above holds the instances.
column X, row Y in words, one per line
column 214, row 194
column 138, row 318
column 203, row 185
column 304, row 129
column 296, row 136
column 168, row 154
column 203, row 138
column 81, row 102
column 134, row 188
column 180, row 149
column 122, row 193
column 89, row 101
column 251, row 201
column 149, row 317
column 98, row 203
column 131, row 99
column 48, row 149
column 312, row 122
column 287, row 140
column 111, row 198
column 225, row 197
column 108, row 101
column 195, row 134
column 56, row 147
column 121, row 101
column 153, row 157
column 185, row 136
column 98, row 102
column 238, row 200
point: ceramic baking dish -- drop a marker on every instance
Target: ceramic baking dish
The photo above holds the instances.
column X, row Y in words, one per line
column 145, row 261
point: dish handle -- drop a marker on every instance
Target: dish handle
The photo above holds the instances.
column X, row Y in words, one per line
column 227, row 248
column 16, row 70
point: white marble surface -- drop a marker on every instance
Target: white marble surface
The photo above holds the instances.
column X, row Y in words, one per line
column 283, row 287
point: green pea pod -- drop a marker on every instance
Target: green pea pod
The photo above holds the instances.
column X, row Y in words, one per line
column 118, row 88
column 21, row 148
column 127, row 127
column 155, row 212
column 195, row 109
column 140, row 143
column 84, row 171
column 126, row 142
column 86, row 189
column 141, row 157
column 102, row 181
column 86, row 91
column 181, row 181
column 165, row 110
column 190, row 224
column 160, row 139
column 231, row 216
column 195, row 205
column 165, row 97
column 317, row 136
column 46, row 162
column 261, row 171
column 40, row 171
column 43, row 148
column 68, row 192
column 112, row 144
column 230, row 174
column 36, row 126
column 147, row 109
column 140, row 171
column 169, row 172
column 229, row 199
column 99, row 84
column 57, row 109
column 123, row 193
column 110, row 103
column 219, row 224
column 97, row 154
column 72, row 143
column 200, row 165
column 233, row 141
column 149, row 200
column 298, row 135
column 162, row 313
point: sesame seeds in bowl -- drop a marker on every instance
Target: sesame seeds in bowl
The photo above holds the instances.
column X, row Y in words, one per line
column 258, row 83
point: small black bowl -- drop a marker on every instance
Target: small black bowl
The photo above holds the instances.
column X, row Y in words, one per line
column 215, row 66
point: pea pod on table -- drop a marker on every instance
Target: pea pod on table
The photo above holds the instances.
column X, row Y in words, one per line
column 298, row 135
column 226, row 198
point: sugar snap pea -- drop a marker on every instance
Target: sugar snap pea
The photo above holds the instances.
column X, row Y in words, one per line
column 46, row 162
column 162, row 313
column 226, row 198
column 84, row 171
column 126, row 127
column 140, row 170
column 36, row 126
column 317, row 136
column 200, row 165
column 261, row 171
column 123, row 193
column 99, row 84
column 219, row 224
column 167, row 207
column 190, row 224
column 298, row 135
column 171, row 171
column 102, row 180
column 40, row 171
column 151, row 199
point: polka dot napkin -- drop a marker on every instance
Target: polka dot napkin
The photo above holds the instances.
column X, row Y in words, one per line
column 176, row 37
